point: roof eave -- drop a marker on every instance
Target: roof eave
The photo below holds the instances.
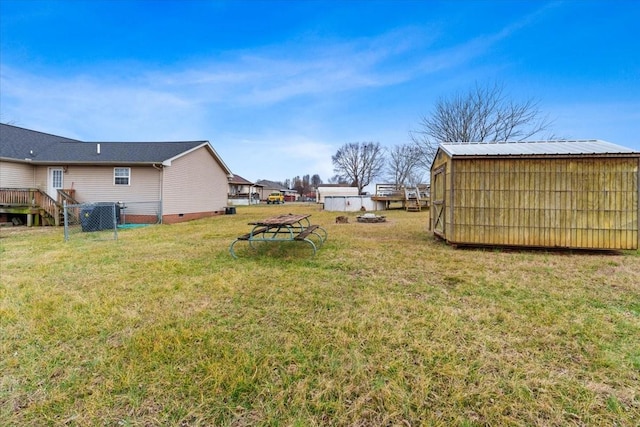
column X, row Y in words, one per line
column 542, row 155
column 209, row 147
column 88, row 163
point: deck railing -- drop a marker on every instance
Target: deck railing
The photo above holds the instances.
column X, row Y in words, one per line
column 67, row 196
column 30, row 197
column 49, row 205
column 17, row 196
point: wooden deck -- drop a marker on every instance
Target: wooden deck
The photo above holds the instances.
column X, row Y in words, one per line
column 412, row 199
column 36, row 205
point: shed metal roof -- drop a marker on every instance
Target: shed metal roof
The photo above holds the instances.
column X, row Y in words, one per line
column 535, row 148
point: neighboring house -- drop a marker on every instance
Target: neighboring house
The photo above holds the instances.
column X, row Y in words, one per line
column 184, row 180
column 268, row 187
column 243, row 191
column 552, row 194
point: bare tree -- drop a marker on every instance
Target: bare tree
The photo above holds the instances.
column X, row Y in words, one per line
column 359, row 162
column 417, row 178
column 484, row 114
column 405, row 164
column 8, row 122
column 337, row 179
column 316, row 180
column 306, row 184
column 301, row 185
column 296, row 184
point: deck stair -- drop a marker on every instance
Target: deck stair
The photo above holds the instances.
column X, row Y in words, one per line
column 412, row 199
column 35, row 204
column 67, row 196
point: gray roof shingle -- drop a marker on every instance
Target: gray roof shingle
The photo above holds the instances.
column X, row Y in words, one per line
column 21, row 144
column 237, row 179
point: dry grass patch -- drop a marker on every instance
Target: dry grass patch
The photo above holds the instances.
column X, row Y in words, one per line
column 384, row 326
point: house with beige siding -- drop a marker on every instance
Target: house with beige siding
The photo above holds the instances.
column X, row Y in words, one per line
column 553, row 194
column 164, row 182
column 243, row 192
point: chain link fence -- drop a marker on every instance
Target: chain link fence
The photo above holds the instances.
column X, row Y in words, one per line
column 101, row 221
column 135, row 213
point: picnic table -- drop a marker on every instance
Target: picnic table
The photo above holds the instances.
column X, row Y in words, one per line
column 283, row 228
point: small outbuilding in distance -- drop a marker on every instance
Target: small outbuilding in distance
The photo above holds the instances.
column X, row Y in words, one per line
column 553, row 194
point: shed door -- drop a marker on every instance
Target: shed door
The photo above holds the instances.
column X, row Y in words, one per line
column 55, row 182
column 437, row 200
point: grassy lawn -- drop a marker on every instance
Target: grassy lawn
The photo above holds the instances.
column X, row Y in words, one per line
column 384, row 326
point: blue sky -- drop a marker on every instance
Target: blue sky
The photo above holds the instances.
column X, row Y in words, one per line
column 278, row 86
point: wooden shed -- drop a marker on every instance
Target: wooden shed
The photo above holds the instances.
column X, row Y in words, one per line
column 557, row 194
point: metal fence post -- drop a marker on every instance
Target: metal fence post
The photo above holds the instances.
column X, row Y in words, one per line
column 66, row 221
column 115, row 222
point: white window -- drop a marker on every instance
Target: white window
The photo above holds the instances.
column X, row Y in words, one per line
column 56, row 178
column 122, row 176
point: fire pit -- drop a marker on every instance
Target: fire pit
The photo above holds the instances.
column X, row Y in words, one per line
column 369, row 217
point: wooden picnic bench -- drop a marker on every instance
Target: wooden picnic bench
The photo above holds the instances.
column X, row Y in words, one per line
column 283, row 228
column 252, row 233
column 313, row 229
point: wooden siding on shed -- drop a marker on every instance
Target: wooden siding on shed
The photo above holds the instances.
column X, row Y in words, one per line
column 440, row 194
column 582, row 202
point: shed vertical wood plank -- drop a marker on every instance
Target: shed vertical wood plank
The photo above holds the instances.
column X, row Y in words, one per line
column 636, row 195
column 624, row 214
column 568, row 202
column 520, row 192
column 562, row 206
column 508, row 201
column 542, row 203
column 582, row 201
column 598, row 215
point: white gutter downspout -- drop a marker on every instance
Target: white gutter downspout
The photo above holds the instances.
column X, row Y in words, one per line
column 161, row 169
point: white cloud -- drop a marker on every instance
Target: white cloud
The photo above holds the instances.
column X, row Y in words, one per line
column 279, row 158
column 262, row 109
column 125, row 102
column 84, row 108
column 314, row 157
